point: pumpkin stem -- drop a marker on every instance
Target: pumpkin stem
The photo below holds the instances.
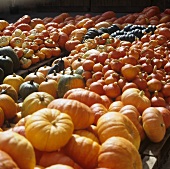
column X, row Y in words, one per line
column 14, row 75
column 55, row 73
column 141, row 93
column 71, row 70
column 32, row 82
column 41, row 98
column 35, row 71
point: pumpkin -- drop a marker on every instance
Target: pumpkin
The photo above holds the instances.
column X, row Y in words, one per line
column 8, row 106
column 27, row 88
column 76, row 110
column 8, row 51
column 14, row 80
column 44, row 69
column 9, row 90
column 135, row 97
column 6, row 162
column 2, row 117
column 118, row 152
column 69, row 81
column 116, row 124
column 153, row 124
column 35, row 101
column 85, row 96
column 49, row 86
column 6, row 64
column 83, row 151
column 50, row 125
column 38, row 77
column 59, row 166
column 19, row 148
column 56, row 157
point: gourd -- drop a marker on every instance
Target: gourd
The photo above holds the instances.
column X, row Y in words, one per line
column 8, row 51
column 69, row 81
column 35, row 101
column 27, row 88
column 50, row 125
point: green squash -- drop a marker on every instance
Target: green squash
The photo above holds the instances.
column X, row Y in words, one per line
column 69, row 81
column 8, row 51
column 27, row 88
column 1, row 75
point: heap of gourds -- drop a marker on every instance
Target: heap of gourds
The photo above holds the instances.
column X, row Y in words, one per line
column 93, row 108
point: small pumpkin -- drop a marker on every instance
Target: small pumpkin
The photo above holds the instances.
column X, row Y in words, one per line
column 27, row 88
column 9, row 90
column 69, row 81
column 50, row 125
column 14, row 80
column 76, row 110
column 35, row 101
column 153, row 124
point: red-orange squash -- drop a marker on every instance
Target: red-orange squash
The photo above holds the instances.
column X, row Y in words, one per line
column 76, row 110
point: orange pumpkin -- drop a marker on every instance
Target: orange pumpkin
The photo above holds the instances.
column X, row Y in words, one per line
column 51, row 126
column 119, row 153
column 19, row 148
column 76, row 110
column 83, row 151
column 153, row 124
column 35, row 101
column 116, row 124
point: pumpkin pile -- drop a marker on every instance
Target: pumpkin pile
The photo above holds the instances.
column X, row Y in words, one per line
column 94, row 108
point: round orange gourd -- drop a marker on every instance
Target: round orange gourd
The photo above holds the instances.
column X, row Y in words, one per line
column 83, row 151
column 50, row 125
column 6, row 162
column 116, row 124
column 8, row 106
column 19, row 148
column 153, row 124
column 35, row 101
column 137, row 98
column 14, row 80
column 76, row 110
column 119, row 153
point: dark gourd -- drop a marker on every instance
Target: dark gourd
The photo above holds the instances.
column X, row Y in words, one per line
column 6, row 64
column 1, row 75
column 27, row 88
column 8, row 51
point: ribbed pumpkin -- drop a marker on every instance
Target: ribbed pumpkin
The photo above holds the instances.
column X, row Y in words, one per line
column 76, row 110
column 69, row 81
column 83, row 151
column 6, row 162
column 48, row 129
column 85, row 96
column 35, row 101
column 153, row 124
column 119, row 153
column 19, row 148
column 135, row 97
column 116, row 124
column 14, row 80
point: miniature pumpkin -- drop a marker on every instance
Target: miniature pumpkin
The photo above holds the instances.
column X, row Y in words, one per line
column 116, row 124
column 153, row 124
column 83, row 151
column 50, row 125
column 119, row 153
column 19, row 148
column 14, row 80
column 35, row 101
column 76, row 110
column 135, row 97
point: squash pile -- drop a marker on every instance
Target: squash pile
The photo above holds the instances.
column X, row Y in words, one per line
column 94, row 108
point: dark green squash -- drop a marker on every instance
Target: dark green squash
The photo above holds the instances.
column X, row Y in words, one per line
column 27, row 88
column 8, row 51
column 6, row 64
column 69, row 81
